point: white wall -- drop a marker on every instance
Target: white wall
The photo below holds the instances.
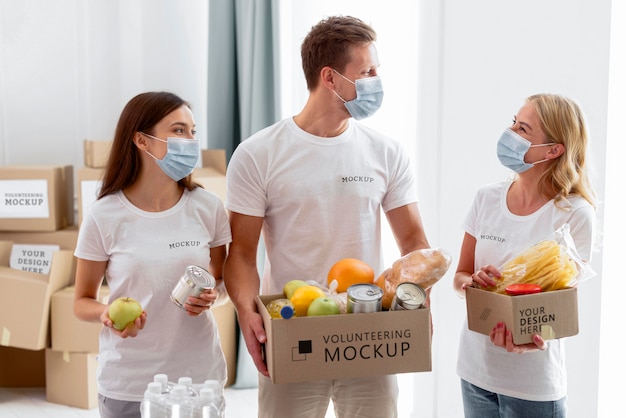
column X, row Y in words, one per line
column 67, row 67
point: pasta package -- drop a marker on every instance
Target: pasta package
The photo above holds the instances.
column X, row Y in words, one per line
column 553, row 264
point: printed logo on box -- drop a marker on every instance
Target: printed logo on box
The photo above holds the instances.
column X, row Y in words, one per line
column 24, row 199
column 358, row 346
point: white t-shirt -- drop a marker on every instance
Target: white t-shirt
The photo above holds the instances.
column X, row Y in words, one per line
column 147, row 253
column 500, row 236
column 320, row 198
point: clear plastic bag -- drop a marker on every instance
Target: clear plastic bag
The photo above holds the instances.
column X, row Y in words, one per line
column 552, row 263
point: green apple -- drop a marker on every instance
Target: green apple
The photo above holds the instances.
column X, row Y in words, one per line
column 291, row 287
column 123, row 311
column 323, row 306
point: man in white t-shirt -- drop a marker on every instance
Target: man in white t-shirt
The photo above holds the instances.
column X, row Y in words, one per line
column 315, row 185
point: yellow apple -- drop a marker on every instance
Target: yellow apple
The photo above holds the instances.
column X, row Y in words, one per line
column 124, row 311
column 323, row 306
column 291, row 287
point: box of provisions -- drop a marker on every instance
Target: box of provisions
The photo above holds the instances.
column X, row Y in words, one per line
column 25, row 299
column 347, row 345
column 36, row 198
column 552, row 314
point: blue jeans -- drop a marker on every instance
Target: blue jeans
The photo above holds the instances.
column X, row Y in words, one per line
column 480, row 403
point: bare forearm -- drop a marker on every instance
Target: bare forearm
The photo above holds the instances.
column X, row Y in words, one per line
column 242, row 281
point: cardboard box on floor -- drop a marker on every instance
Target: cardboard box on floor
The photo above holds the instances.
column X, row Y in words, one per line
column 68, row 332
column 25, row 299
column 36, row 198
column 96, row 152
column 347, row 345
column 71, row 379
column 551, row 314
column 21, row 368
column 65, row 238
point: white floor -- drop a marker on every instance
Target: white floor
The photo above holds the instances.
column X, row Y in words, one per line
column 240, row 403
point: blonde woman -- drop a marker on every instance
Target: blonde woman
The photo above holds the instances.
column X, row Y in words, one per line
column 546, row 147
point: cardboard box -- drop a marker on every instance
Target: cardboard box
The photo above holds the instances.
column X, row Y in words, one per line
column 96, row 153
column 71, row 379
column 68, row 332
column 227, row 327
column 552, row 314
column 25, row 299
column 212, row 174
column 89, row 181
column 22, row 368
column 346, row 346
column 64, row 238
column 36, row 198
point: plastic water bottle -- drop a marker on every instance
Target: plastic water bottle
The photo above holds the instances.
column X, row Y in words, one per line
column 218, row 390
column 166, row 385
column 207, row 404
column 188, row 384
column 153, row 403
column 179, row 405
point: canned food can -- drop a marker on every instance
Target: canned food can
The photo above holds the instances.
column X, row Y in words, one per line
column 408, row 296
column 364, row 298
column 193, row 282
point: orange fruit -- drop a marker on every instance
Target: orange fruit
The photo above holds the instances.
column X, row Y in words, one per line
column 303, row 296
column 349, row 271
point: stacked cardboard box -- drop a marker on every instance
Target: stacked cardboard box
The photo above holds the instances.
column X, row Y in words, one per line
column 36, row 211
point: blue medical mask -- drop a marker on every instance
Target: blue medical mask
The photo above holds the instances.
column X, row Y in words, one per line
column 512, row 148
column 369, row 96
column 181, row 157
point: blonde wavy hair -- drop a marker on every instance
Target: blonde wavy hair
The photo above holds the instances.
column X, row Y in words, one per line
column 563, row 123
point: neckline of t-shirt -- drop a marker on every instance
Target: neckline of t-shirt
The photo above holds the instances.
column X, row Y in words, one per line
column 319, row 140
column 159, row 214
column 510, row 214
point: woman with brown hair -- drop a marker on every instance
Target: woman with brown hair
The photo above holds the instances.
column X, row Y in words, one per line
column 149, row 223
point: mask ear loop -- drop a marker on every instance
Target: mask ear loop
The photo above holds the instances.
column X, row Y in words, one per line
column 152, row 137
column 543, row 145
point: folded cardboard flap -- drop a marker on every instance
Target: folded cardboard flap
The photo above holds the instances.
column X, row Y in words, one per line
column 96, row 152
column 214, row 158
column 25, row 299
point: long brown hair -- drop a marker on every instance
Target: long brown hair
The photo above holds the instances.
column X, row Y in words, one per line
column 140, row 114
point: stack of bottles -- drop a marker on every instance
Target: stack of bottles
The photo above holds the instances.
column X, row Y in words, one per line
column 165, row 399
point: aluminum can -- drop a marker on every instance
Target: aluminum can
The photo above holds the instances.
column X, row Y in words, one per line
column 408, row 296
column 193, row 282
column 364, row 298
